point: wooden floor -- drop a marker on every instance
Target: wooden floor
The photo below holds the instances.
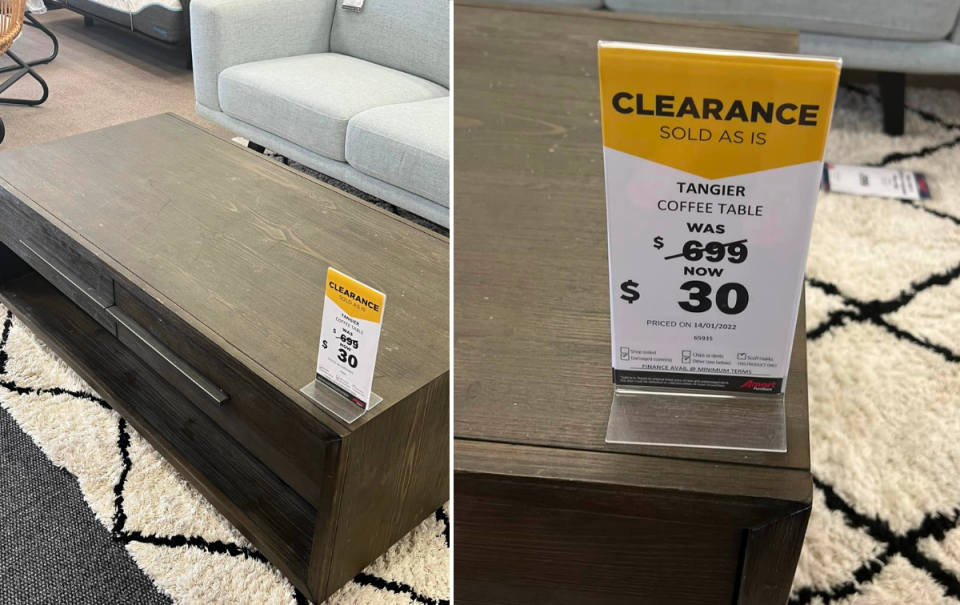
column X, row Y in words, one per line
column 102, row 76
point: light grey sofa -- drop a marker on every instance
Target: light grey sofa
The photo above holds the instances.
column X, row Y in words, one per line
column 889, row 36
column 360, row 96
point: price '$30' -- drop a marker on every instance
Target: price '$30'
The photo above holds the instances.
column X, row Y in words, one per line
column 730, row 298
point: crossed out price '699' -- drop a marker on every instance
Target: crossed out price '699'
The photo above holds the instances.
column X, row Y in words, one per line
column 730, row 298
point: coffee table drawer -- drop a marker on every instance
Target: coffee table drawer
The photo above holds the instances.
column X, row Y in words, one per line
column 197, row 387
column 285, row 437
column 508, row 555
column 87, row 297
column 60, row 260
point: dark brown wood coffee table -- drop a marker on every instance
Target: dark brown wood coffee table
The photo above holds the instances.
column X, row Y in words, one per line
column 183, row 277
column 546, row 511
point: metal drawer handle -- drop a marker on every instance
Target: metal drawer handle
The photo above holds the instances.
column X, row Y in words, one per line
column 72, row 278
column 164, row 353
column 172, row 359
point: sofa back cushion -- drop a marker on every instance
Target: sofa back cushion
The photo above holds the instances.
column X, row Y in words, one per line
column 408, row 35
column 924, row 20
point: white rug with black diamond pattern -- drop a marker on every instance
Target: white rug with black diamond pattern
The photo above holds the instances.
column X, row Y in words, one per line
column 192, row 554
column 883, row 321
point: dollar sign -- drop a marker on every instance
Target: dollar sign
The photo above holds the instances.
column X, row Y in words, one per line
column 324, row 344
column 630, row 293
column 658, row 242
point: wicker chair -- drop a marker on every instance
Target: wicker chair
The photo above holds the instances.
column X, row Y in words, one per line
column 11, row 22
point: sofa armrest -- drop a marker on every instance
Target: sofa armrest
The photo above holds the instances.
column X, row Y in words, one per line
column 225, row 33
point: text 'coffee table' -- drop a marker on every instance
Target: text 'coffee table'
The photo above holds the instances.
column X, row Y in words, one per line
column 183, row 277
column 547, row 511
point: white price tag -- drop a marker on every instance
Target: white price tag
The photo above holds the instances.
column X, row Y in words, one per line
column 349, row 336
column 713, row 165
column 876, row 182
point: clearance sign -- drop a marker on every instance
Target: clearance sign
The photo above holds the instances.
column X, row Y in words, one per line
column 713, row 162
column 349, row 336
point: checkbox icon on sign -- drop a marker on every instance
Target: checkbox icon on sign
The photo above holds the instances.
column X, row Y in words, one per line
column 625, row 353
column 741, row 356
column 685, row 357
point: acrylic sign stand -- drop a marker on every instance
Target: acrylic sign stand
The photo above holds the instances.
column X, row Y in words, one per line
column 334, row 402
column 697, row 419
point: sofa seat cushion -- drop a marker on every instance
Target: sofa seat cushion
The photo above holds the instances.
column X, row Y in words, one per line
column 885, row 19
column 406, row 145
column 310, row 99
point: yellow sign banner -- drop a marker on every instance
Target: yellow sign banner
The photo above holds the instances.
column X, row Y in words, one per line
column 357, row 300
column 715, row 114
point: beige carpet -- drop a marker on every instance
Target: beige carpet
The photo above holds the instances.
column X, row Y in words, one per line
column 103, row 76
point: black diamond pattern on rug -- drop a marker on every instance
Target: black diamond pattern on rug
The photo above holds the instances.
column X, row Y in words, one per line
column 905, row 317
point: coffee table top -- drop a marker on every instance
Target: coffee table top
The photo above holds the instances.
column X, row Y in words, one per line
column 239, row 245
column 532, row 320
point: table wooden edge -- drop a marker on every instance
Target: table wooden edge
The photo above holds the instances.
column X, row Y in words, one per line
column 585, row 13
column 766, row 493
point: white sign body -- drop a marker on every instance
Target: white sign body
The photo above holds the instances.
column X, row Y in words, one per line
column 675, row 320
column 350, row 337
column 712, row 176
